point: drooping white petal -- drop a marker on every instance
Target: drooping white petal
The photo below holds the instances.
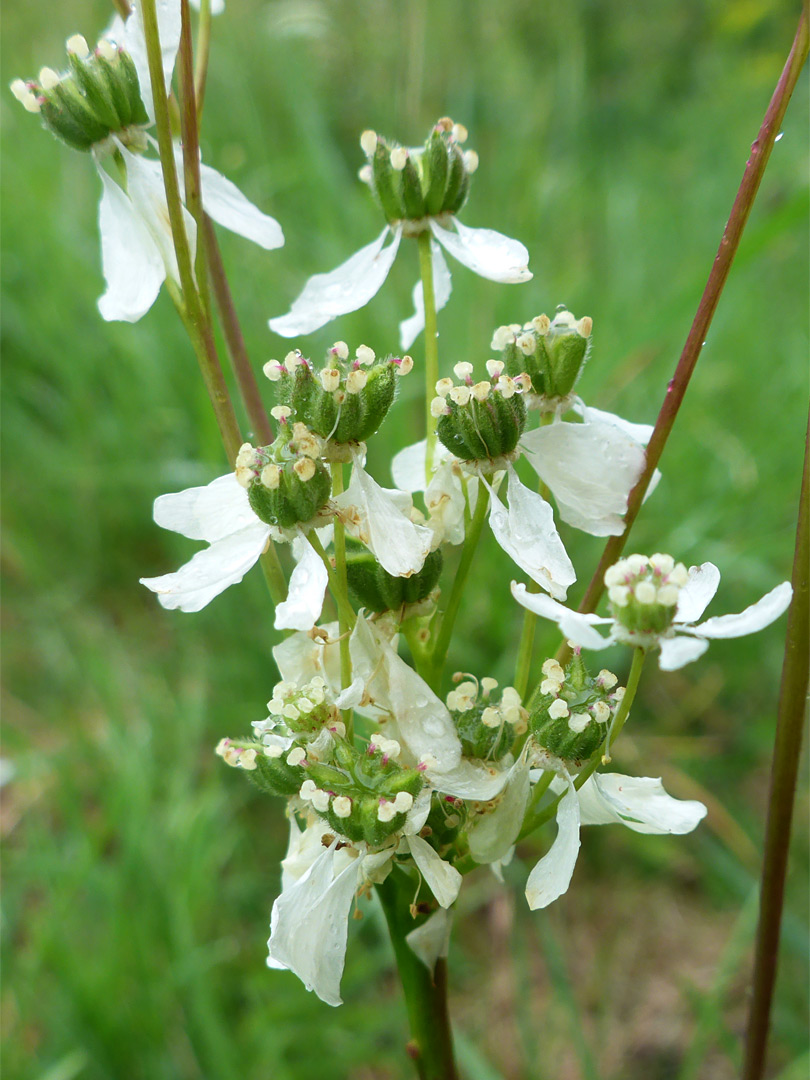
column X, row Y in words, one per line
column 445, row 503
column 678, row 651
column 300, row 658
column 695, row 595
column 552, row 875
column 130, row 36
column 206, row 513
column 423, row 723
column 132, row 263
column 755, row 617
column 418, row 813
column 371, row 515
column 640, row 433
column 590, row 469
column 225, row 203
column 431, row 940
column 526, row 532
column 443, row 879
column 487, row 253
column 346, row 288
column 308, row 581
column 410, row 329
column 408, row 467
column 211, row 571
column 146, row 191
column 639, row 802
column 309, row 925
column 470, row 779
column 574, row 625
column 494, row 833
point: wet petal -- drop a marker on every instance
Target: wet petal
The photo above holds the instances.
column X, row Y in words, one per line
column 431, row 940
column 526, row 532
column 411, row 328
column 574, row 625
column 211, row 571
column 309, row 925
column 470, row 779
column 552, row 875
column 133, row 265
column 443, row 879
column 754, row 618
column 225, row 203
column 408, row 467
column 445, row 503
column 206, row 513
column 308, row 581
column 678, row 651
column 346, row 288
column 145, row 189
column 487, row 253
column 494, row 833
column 699, row 589
column 640, row 433
column 639, row 802
column 590, row 469
column 299, row 659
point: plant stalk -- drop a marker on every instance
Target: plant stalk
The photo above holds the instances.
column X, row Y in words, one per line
column 784, row 769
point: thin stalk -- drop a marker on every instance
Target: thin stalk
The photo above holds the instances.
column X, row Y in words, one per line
column 431, row 1045
column 343, row 586
column 190, row 135
column 752, row 177
column 203, row 50
column 198, row 327
column 234, row 339
column 123, row 8
column 533, row 821
column 786, row 756
column 431, row 345
column 451, row 611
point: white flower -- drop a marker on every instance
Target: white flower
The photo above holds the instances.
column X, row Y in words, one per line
column 352, row 284
column 136, row 241
column 220, row 513
column 640, row 803
column 680, row 643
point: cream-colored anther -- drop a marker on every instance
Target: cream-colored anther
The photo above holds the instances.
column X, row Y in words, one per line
column 271, row 476
column 48, row 78
column 619, row 595
column 296, row 756
column 438, row 407
column 614, row 575
column 365, row 355
column 550, row 686
column 678, row 576
column 405, row 365
column 365, row 174
column 320, row 800
column 462, row 369
column 25, row 95
column 330, row 378
column 578, row 722
column 341, row 350
column 399, row 156
column 558, row 709
column 488, row 684
column 523, row 383
column 443, row 387
column 292, row 360
column 494, row 368
column 386, row 811
column 342, row 806
column 281, row 412
column 645, row 592
column 304, row 468
column 470, row 161
column 481, row 391
column 541, row 323
column 273, row 370
column 606, row 679
column 403, row 802
column 505, row 386
column 667, row 595
column 663, row 563
column 459, row 133
column 601, row 710
column 584, row 326
column 460, row 395
column 107, row 49
column 356, row 380
column 491, row 717
column 526, row 344
column 77, row 45
column 368, row 142
column 553, row 669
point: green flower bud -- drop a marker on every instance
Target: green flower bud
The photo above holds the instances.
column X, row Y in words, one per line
column 374, row 588
column 552, row 352
column 572, row 710
column 643, row 593
column 487, row 730
column 267, row 766
column 480, row 421
column 304, row 710
column 285, row 481
column 99, row 96
column 347, row 400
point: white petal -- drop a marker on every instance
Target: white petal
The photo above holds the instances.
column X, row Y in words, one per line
column 346, row 288
column 639, row 802
column 211, row 571
column 640, row 433
column 525, row 530
column 132, row 39
column 206, row 513
column 552, row 875
column 145, row 189
column 225, row 203
column 132, row 263
column 754, row 618
column 308, row 581
column 445, row 503
column 408, row 467
column 590, row 468
column 678, row 651
column 371, row 515
column 309, row 925
column 431, row 940
column 486, row 252
column 217, row 6
column 410, row 329
column 443, row 879
column 299, row 659
column 423, row 722
column 494, row 833
column 574, row 625
column 470, row 779
column 699, row 589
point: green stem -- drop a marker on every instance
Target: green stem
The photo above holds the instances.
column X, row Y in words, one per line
column 534, row 820
column 431, row 1045
column 203, row 50
column 752, row 177
column 431, row 345
column 344, row 607
column 190, row 135
column 451, row 611
column 786, row 758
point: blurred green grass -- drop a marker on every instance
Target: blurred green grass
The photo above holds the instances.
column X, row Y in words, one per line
column 139, row 875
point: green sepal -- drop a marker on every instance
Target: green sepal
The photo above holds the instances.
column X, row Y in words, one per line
column 356, row 419
column 483, row 430
column 93, row 86
column 68, row 115
column 127, row 73
column 436, row 168
column 385, row 183
column 275, row 776
column 294, row 501
column 566, row 356
column 458, row 182
column 478, row 740
column 372, row 587
column 413, row 199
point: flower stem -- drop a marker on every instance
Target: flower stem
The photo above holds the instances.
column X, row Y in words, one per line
column 786, row 758
column 431, row 1045
column 451, row 611
column 203, row 50
column 344, row 607
column 752, row 177
column 431, row 345
column 190, row 134
column 534, row 820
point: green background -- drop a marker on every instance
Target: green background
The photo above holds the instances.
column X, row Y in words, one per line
column 140, row 872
